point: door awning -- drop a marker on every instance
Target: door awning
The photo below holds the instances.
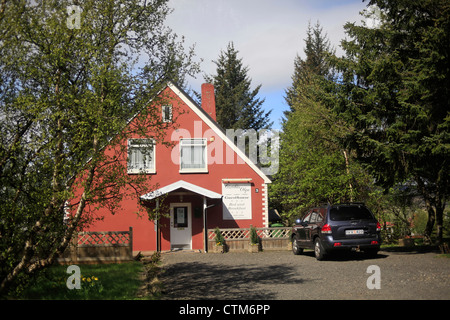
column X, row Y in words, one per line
column 181, row 185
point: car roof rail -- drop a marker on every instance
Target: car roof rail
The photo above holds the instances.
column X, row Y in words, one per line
column 350, row 203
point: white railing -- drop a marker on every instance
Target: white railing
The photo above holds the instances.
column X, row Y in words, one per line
column 231, row 234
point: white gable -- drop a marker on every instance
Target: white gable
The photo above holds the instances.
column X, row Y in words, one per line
column 181, row 185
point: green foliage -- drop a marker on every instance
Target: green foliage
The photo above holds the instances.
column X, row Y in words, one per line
column 219, row 239
column 395, row 93
column 65, row 94
column 254, row 239
column 317, row 49
column 237, row 105
column 315, row 166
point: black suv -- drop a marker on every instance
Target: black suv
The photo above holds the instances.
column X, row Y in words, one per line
column 337, row 227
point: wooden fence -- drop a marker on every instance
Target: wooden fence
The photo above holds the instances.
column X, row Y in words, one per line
column 238, row 239
column 100, row 247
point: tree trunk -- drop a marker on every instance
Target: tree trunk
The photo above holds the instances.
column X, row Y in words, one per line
column 439, row 222
column 435, row 205
column 430, row 224
column 348, row 173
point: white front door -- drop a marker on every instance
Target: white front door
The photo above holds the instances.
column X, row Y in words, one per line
column 180, row 226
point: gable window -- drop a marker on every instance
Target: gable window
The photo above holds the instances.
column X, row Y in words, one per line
column 193, row 155
column 141, row 156
column 167, row 113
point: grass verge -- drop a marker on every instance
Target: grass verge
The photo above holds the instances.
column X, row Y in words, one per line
column 98, row 282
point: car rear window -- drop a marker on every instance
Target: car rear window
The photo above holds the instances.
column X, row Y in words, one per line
column 343, row 213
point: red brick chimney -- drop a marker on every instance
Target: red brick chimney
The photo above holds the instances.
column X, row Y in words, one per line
column 209, row 100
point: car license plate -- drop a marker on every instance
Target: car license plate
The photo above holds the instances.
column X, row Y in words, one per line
column 353, row 232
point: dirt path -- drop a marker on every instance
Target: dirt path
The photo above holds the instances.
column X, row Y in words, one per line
column 283, row 276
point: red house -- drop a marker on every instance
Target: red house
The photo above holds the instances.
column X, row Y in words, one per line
column 204, row 180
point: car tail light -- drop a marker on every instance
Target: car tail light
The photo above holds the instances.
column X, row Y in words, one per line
column 326, row 229
column 374, row 242
column 337, row 244
column 378, row 226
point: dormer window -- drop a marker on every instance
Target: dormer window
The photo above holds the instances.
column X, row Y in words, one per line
column 167, row 113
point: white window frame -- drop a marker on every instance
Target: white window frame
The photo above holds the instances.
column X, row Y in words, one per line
column 190, row 143
column 164, row 113
column 136, row 145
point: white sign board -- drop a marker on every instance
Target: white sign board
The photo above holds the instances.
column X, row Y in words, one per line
column 237, row 201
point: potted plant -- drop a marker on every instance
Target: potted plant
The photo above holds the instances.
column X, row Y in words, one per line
column 254, row 240
column 219, row 241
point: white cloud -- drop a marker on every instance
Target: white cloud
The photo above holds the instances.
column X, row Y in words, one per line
column 268, row 34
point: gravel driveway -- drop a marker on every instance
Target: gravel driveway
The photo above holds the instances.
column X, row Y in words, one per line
column 281, row 275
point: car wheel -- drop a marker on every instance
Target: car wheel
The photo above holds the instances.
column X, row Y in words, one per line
column 319, row 252
column 295, row 247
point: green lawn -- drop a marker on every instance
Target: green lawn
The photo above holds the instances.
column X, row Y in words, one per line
column 98, row 282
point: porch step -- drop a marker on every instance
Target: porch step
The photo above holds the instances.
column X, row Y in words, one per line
column 177, row 247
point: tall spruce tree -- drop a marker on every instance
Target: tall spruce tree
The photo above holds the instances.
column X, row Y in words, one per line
column 317, row 48
column 237, row 105
column 314, row 166
column 394, row 91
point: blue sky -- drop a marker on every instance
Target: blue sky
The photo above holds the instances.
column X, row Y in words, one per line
column 267, row 33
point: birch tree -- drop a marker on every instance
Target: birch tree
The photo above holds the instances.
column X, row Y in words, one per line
column 72, row 73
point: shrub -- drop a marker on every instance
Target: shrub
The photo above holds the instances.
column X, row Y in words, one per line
column 219, row 237
column 254, row 239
